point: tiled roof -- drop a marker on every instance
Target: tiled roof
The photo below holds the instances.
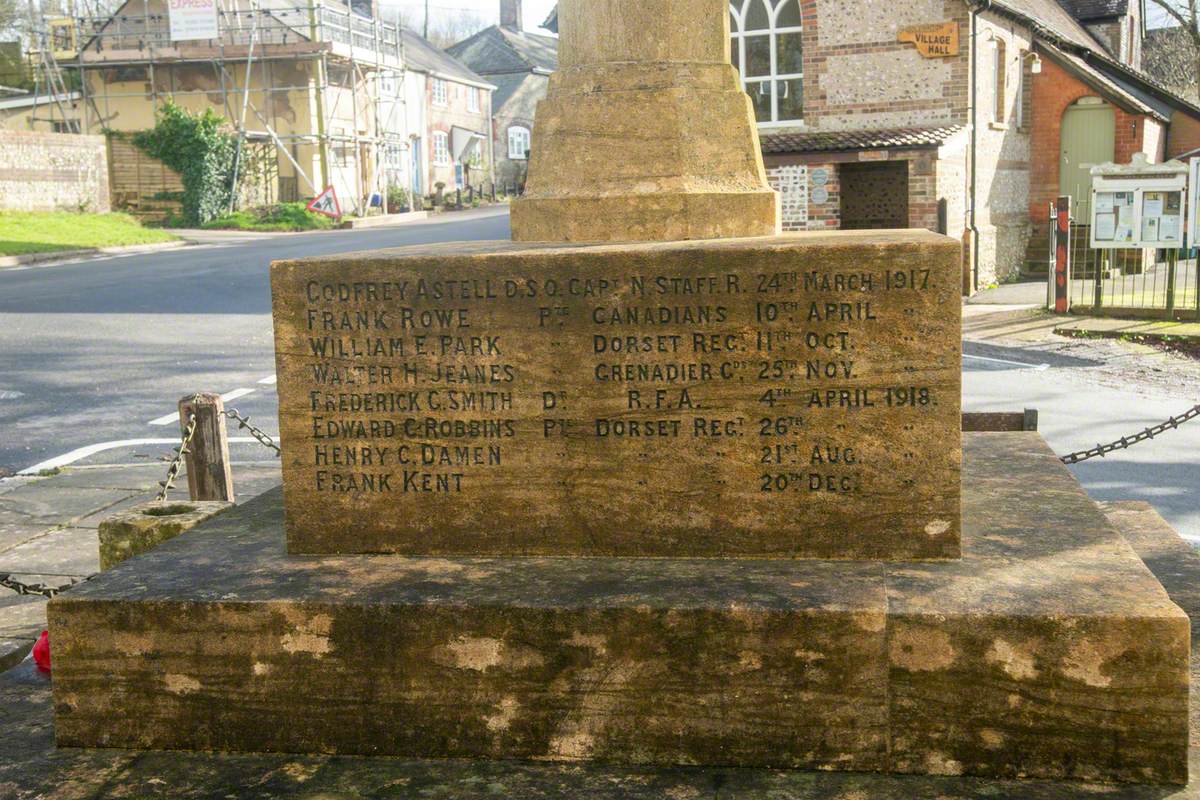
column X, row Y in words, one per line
column 1096, row 9
column 856, row 140
column 508, row 84
column 1053, row 19
column 496, row 50
column 421, row 55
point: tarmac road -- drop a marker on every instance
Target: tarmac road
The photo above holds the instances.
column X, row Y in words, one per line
column 92, row 351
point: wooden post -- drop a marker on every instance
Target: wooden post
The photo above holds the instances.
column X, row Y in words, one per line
column 209, row 474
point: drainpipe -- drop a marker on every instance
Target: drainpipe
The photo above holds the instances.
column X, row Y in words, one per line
column 972, row 184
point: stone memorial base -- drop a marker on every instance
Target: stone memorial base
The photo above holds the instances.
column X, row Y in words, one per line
column 1048, row 650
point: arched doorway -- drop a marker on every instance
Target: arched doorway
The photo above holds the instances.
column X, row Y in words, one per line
column 1087, row 138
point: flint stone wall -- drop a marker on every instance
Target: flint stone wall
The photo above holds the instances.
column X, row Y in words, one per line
column 52, row 172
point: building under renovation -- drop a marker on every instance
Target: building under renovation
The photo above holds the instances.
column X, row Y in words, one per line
column 315, row 87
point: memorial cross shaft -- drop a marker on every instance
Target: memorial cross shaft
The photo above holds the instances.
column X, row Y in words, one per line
column 645, row 133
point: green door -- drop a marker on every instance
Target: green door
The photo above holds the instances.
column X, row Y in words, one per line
column 1087, row 139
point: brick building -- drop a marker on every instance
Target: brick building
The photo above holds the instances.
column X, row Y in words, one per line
column 948, row 114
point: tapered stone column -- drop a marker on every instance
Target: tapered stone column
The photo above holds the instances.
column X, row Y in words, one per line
column 645, row 133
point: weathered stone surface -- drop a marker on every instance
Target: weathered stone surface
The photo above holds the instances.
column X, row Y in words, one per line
column 645, row 133
column 1175, row 562
column 773, row 397
column 32, row 768
column 1048, row 650
column 146, row 526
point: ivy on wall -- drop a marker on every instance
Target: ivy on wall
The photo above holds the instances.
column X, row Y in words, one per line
column 200, row 147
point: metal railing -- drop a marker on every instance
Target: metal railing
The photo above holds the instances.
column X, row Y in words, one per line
column 1161, row 284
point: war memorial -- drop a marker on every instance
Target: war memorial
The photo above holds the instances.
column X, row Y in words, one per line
column 649, row 485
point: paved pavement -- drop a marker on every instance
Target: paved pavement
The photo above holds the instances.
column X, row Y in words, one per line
column 93, row 351
column 1031, row 293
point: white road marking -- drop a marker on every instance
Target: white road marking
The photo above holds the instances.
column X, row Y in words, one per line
column 269, row 380
column 236, row 393
column 1026, row 364
column 92, row 449
column 167, row 419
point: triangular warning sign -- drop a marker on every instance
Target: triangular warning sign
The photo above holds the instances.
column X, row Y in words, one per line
column 326, row 203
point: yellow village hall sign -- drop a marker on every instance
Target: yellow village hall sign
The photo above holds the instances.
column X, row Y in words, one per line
column 933, row 41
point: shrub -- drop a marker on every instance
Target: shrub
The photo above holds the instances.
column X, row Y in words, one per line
column 201, row 148
column 276, row 218
column 397, row 199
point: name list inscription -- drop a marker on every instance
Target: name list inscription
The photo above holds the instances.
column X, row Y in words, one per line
column 760, row 385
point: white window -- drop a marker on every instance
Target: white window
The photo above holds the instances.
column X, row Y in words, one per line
column 388, row 84
column 472, row 99
column 343, row 148
column 518, row 143
column 1000, row 74
column 441, row 148
column 767, row 50
column 441, row 95
column 393, row 155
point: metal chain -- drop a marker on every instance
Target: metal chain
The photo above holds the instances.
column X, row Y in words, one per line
column 256, row 432
column 45, row 590
column 1126, row 441
column 177, row 461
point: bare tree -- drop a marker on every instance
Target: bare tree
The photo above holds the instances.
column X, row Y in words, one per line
column 1169, row 55
column 1186, row 14
column 453, row 26
column 444, row 27
column 10, row 12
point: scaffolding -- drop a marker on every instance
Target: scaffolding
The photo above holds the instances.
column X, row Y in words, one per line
column 320, row 82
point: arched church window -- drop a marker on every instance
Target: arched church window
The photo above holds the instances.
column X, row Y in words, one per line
column 767, row 49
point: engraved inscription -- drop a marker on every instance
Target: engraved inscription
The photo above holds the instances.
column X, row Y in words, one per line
column 709, row 401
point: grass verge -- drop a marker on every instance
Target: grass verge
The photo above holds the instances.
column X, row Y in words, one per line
column 24, row 232
column 272, row 219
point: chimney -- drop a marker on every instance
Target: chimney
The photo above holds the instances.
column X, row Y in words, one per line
column 510, row 14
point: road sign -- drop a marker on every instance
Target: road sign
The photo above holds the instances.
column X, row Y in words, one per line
column 326, row 203
column 189, row 20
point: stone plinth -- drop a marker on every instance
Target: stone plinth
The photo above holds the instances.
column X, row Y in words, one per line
column 145, row 526
column 792, row 396
column 645, row 132
column 1048, row 650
